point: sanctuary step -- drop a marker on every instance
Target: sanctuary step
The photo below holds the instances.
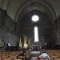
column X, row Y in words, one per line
column 33, row 58
column 35, row 53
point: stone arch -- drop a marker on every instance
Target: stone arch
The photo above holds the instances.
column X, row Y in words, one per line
column 34, row 5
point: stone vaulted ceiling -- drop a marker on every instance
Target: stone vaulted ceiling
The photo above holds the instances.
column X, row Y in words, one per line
column 14, row 7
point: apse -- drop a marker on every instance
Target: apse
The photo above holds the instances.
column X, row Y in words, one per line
column 46, row 38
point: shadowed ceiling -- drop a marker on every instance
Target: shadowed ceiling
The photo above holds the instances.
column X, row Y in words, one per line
column 14, row 6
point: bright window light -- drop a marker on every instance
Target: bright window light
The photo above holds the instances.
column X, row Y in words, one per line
column 35, row 18
column 36, row 38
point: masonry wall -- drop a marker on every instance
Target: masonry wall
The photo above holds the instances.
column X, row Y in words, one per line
column 58, row 30
column 7, row 29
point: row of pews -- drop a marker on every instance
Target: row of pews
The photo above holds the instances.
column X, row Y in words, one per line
column 12, row 55
column 54, row 54
column 9, row 55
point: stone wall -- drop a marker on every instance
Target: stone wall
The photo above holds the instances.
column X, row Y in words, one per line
column 8, row 37
column 58, row 30
column 7, row 29
column 56, row 27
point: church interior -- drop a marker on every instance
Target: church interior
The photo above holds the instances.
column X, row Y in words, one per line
column 29, row 25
